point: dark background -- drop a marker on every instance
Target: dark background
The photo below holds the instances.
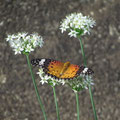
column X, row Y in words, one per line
column 18, row 100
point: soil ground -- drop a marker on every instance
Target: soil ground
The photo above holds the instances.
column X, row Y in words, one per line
column 17, row 95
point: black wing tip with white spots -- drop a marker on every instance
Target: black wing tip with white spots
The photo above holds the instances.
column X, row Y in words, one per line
column 90, row 71
column 35, row 62
column 85, row 71
column 40, row 61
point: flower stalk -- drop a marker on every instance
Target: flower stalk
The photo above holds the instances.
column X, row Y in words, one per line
column 52, row 82
column 56, row 104
column 35, row 86
column 24, row 43
column 77, row 101
column 78, row 25
column 90, row 91
column 82, row 50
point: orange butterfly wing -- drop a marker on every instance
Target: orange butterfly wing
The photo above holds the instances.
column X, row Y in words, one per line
column 54, row 68
column 70, row 71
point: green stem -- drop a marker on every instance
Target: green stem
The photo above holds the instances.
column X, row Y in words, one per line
column 82, row 50
column 35, row 86
column 77, row 100
column 90, row 91
column 92, row 101
column 55, row 98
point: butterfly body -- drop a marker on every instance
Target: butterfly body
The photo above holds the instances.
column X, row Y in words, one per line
column 65, row 67
column 61, row 70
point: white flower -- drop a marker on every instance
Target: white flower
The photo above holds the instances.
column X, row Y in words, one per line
column 73, row 33
column 29, row 48
column 77, row 24
column 18, row 50
column 81, row 82
column 24, row 42
column 43, row 81
column 63, row 82
column 48, row 79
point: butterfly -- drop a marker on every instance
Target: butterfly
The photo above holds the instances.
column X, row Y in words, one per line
column 60, row 70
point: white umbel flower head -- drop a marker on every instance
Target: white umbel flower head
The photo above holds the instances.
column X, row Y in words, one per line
column 24, row 42
column 80, row 83
column 77, row 24
column 48, row 79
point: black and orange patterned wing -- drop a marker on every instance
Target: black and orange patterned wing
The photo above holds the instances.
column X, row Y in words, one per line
column 54, row 68
column 50, row 67
column 71, row 72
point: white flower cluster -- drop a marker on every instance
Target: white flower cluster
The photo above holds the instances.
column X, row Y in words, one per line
column 77, row 24
column 24, row 42
column 81, row 82
column 48, row 79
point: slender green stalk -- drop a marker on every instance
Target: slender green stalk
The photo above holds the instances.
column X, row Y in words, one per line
column 77, row 101
column 92, row 101
column 35, row 86
column 90, row 91
column 83, row 54
column 57, row 109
